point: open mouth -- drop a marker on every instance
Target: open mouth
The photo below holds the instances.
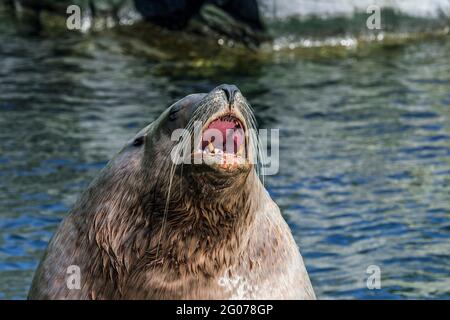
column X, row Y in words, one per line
column 223, row 141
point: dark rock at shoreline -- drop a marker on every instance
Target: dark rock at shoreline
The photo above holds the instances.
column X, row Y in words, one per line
column 238, row 20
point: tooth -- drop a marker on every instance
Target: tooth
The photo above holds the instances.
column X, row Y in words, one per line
column 241, row 149
column 210, row 147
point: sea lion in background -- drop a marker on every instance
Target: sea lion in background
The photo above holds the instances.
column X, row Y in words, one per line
column 148, row 228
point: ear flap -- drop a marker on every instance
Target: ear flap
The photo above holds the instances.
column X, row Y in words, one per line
column 189, row 100
column 181, row 111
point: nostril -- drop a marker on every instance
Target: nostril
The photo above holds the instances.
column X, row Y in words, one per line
column 230, row 92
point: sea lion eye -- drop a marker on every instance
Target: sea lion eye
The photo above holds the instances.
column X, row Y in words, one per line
column 138, row 141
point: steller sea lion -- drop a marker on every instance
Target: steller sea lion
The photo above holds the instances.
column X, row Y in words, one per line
column 152, row 227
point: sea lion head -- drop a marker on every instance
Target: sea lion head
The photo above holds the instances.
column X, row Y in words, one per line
column 208, row 140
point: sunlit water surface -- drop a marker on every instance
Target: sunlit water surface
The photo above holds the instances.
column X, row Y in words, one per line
column 365, row 151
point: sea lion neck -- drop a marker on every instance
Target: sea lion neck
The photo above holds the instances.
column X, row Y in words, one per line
column 209, row 205
column 204, row 235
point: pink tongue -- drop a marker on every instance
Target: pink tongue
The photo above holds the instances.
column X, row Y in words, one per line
column 222, row 126
column 229, row 131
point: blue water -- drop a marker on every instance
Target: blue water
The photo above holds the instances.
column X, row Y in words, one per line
column 365, row 149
